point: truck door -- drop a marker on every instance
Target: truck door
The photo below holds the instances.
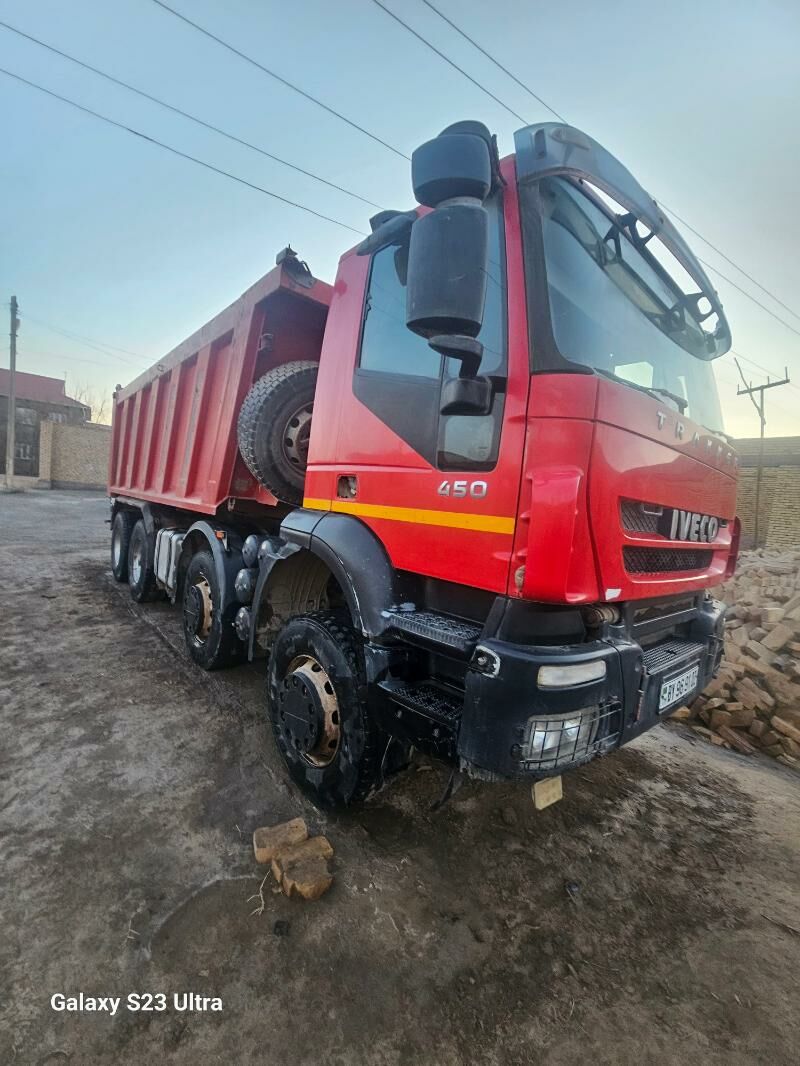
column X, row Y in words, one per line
column 440, row 491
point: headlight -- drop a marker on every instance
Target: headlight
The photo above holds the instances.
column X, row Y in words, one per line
column 571, row 675
column 560, row 738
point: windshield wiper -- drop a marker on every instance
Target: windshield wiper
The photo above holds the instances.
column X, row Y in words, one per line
column 682, row 404
column 679, row 400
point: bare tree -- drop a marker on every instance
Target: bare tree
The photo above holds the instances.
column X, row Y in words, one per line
column 98, row 400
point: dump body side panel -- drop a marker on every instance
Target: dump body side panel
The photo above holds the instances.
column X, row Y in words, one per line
column 174, row 428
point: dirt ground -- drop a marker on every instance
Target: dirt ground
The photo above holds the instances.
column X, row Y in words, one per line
column 130, row 784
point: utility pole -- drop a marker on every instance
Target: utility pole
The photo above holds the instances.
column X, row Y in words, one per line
column 12, row 395
column 750, row 390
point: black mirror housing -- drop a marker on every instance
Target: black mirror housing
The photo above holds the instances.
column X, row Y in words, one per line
column 467, row 396
column 447, row 258
column 451, row 165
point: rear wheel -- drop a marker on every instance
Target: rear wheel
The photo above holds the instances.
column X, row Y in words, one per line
column 121, row 529
column 141, row 572
column 208, row 630
column 274, row 428
column 317, row 710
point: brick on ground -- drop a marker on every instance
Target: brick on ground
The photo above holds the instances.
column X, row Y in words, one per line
column 778, row 637
column 781, row 725
column 736, row 740
column 303, row 869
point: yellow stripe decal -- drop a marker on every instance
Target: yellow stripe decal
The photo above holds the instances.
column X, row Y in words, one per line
column 484, row 523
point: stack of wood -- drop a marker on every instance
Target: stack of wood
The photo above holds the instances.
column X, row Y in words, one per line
column 754, row 703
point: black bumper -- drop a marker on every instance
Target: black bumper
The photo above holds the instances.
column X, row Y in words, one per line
column 512, row 727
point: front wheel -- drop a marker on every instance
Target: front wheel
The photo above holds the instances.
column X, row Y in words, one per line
column 318, row 713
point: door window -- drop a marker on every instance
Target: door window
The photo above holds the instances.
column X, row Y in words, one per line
column 399, row 376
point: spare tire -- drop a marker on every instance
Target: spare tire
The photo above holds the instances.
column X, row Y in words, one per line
column 274, row 428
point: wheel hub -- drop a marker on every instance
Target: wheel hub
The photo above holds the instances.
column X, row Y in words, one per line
column 308, row 712
column 137, row 565
column 197, row 610
column 297, row 436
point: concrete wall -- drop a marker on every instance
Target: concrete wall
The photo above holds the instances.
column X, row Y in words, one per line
column 779, row 504
column 73, row 457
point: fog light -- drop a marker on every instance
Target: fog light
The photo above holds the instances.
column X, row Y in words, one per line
column 568, row 676
column 560, row 738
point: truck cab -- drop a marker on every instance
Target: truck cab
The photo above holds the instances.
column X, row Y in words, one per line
column 516, row 492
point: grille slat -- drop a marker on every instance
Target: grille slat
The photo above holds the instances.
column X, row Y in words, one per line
column 634, row 518
column 665, row 560
column 671, row 653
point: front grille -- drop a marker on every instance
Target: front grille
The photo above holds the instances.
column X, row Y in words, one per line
column 639, row 517
column 634, row 518
column 665, row 560
column 669, row 653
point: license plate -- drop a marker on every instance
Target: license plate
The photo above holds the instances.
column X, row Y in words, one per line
column 677, row 687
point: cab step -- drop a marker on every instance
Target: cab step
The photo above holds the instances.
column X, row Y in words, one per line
column 426, row 715
column 436, row 630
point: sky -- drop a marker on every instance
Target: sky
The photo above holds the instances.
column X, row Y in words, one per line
column 117, row 249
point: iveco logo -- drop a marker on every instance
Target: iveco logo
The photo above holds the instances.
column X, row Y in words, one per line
column 711, row 448
column 689, row 525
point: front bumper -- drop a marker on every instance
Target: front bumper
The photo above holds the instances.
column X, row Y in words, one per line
column 511, row 727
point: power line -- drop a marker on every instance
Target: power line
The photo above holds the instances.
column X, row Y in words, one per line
column 310, row 174
column 727, row 258
column 25, row 350
column 185, row 114
column 447, row 59
column 511, row 111
column 749, row 296
column 496, row 62
column 758, row 366
column 182, row 155
column 420, row 37
column 100, row 346
column 283, row 81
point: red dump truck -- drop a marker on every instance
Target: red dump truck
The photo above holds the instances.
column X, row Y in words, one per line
column 469, row 499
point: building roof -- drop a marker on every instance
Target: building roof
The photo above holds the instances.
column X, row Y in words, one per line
column 39, row 389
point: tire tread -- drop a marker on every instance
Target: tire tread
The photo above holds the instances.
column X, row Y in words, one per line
column 268, row 392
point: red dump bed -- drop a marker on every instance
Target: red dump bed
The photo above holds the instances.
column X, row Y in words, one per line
column 174, row 428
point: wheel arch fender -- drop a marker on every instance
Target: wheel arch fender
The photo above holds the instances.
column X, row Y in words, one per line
column 225, row 546
column 355, row 557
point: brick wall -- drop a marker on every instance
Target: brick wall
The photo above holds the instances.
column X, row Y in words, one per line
column 74, row 456
column 779, row 507
column 784, row 515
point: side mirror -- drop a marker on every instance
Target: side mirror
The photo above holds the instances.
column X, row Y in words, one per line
column 447, row 262
column 467, row 396
column 449, row 247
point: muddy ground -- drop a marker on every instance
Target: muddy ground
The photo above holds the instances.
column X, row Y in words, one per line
column 130, row 783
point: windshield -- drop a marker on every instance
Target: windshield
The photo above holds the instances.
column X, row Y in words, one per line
column 613, row 310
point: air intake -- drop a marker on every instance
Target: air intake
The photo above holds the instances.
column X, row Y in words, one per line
column 665, row 560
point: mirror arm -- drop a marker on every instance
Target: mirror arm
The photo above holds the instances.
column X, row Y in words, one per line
column 468, row 350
